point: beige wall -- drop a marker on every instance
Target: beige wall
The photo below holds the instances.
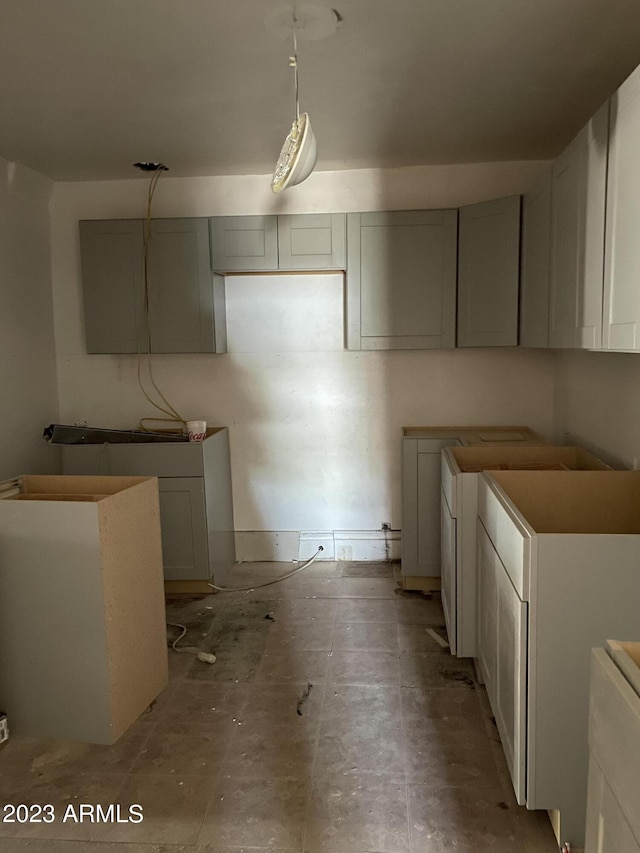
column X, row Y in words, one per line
column 28, row 394
column 315, row 436
column 597, row 401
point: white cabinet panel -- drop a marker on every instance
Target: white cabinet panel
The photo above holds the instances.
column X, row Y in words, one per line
column 577, row 242
column 622, row 248
column 449, row 573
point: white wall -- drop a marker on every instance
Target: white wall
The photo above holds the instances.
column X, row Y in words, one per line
column 28, row 393
column 598, row 402
column 315, row 436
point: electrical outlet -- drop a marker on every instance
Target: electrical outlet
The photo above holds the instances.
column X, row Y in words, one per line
column 385, row 525
column 4, row 728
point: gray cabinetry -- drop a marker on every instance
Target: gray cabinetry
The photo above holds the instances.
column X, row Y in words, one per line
column 244, row 243
column 314, row 241
column 535, row 265
column 488, row 273
column 421, row 464
column 196, row 509
column 111, row 255
column 401, row 279
column 577, row 242
column 185, row 302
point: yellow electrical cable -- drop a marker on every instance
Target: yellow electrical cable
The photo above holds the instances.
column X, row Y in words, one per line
column 144, row 331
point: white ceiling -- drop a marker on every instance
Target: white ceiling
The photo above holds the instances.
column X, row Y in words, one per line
column 87, row 87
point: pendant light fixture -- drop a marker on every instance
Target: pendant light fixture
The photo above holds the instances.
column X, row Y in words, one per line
column 300, row 150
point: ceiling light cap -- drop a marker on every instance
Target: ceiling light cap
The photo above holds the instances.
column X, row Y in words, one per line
column 311, row 22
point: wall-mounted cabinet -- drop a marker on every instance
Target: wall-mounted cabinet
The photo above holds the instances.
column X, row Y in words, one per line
column 270, row 243
column 535, row 256
column 622, row 256
column 401, row 280
column 577, row 238
column 186, row 311
column 488, row 273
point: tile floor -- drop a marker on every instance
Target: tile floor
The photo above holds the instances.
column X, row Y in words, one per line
column 332, row 720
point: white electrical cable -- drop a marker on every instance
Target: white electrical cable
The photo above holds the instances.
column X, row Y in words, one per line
column 267, row 583
column 205, row 657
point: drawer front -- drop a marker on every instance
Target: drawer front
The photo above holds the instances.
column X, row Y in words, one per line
column 614, row 734
column 156, row 460
column 510, row 541
column 449, row 482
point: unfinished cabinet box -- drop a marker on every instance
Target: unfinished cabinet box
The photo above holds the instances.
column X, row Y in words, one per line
column 613, row 816
column 460, row 473
column 196, row 503
column 558, row 557
column 83, row 648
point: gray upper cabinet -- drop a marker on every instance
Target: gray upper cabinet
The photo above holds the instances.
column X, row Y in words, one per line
column 577, row 241
column 401, row 280
column 488, row 273
column 312, row 241
column 181, row 317
column 186, row 303
column 244, row 243
column 535, row 265
column 111, row 254
column 622, row 256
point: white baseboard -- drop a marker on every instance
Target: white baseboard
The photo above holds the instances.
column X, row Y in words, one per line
column 285, row 545
column 264, row 546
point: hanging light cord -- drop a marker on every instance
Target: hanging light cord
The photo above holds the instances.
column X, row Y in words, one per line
column 145, row 332
column 293, row 62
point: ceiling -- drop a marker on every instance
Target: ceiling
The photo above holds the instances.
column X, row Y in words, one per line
column 87, row 87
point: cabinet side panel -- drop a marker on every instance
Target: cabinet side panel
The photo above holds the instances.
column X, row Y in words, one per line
column 53, row 648
column 219, row 505
column 132, row 579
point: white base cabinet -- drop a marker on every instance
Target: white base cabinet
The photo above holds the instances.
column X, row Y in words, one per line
column 613, row 808
column 460, row 472
column 558, row 574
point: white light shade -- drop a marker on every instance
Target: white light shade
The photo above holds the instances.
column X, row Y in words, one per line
column 297, row 157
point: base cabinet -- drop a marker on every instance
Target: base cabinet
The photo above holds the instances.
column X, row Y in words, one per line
column 196, row 504
column 613, row 816
column 546, row 598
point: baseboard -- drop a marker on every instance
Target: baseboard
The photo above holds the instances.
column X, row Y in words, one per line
column 286, row 545
column 190, row 587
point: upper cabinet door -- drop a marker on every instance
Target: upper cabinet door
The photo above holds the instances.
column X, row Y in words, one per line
column 401, row 275
column 244, row 243
column 312, row 241
column 535, row 265
column 111, row 256
column 488, row 273
column 622, row 247
column 577, row 238
column 180, row 286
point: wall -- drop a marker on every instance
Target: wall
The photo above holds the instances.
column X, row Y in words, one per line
column 597, row 401
column 315, row 436
column 28, row 391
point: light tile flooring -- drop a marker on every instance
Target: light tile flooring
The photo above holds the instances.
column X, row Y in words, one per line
column 331, row 721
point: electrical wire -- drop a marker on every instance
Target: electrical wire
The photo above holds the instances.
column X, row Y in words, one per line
column 267, row 583
column 145, row 330
column 205, row 657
